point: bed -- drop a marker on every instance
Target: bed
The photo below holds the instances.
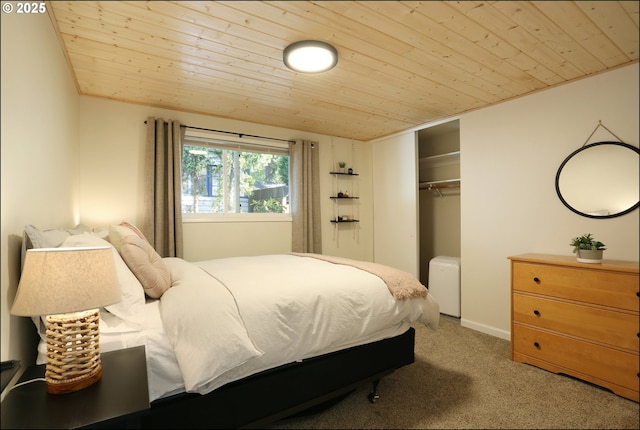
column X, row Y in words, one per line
column 244, row 341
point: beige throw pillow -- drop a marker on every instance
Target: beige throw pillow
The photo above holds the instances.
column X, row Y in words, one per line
column 146, row 264
column 117, row 233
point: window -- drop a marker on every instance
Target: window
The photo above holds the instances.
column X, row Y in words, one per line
column 229, row 177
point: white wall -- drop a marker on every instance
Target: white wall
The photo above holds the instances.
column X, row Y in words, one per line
column 395, row 185
column 39, row 154
column 112, row 136
column 510, row 154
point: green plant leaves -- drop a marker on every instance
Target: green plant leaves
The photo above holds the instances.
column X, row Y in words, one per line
column 586, row 241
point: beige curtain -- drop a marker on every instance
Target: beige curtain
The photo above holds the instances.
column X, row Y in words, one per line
column 305, row 196
column 162, row 205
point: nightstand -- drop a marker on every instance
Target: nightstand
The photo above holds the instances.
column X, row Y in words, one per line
column 9, row 370
column 119, row 399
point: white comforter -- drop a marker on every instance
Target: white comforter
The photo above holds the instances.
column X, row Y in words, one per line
column 230, row 318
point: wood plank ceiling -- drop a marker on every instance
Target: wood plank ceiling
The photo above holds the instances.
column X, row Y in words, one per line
column 401, row 64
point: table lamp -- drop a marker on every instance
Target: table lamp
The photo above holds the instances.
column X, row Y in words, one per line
column 68, row 285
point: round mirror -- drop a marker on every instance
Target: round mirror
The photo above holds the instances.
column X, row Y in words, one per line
column 600, row 180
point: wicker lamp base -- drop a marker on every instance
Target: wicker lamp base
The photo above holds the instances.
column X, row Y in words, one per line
column 73, row 351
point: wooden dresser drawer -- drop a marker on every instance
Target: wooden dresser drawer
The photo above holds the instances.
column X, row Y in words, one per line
column 578, row 319
column 614, row 328
column 606, row 288
column 576, row 357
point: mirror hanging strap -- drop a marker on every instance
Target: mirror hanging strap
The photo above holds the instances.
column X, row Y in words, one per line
column 600, row 124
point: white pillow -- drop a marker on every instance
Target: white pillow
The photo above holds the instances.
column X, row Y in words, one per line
column 131, row 290
column 79, row 229
column 101, row 232
column 35, row 238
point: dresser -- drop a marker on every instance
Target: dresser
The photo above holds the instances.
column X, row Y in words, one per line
column 578, row 319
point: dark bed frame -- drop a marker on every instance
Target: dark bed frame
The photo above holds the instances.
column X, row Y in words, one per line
column 284, row 391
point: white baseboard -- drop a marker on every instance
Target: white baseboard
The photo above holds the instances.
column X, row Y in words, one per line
column 502, row 334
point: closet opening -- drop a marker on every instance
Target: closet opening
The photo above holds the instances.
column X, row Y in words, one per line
column 439, row 204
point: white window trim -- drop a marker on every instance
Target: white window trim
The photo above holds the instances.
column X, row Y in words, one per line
column 235, row 217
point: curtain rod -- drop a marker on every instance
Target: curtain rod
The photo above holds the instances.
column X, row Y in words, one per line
column 237, row 134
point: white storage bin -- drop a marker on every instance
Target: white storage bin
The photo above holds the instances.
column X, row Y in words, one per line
column 444, row 284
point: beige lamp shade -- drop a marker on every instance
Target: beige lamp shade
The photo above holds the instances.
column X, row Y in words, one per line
column 64, row 280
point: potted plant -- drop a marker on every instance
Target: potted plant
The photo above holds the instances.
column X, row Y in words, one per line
column 587, row 249
column 342, row 165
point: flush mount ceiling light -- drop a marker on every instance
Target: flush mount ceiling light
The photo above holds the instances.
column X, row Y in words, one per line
column 310, row 56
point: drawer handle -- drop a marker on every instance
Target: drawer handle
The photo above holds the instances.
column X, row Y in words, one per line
column 536, row 344
column 536, row 280
column 537, row 313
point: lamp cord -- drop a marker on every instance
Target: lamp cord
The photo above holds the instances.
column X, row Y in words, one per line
column 27, row 382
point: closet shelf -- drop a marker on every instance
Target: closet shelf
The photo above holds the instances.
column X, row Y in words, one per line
column 440, row 160
column 446, row 183
column 452, row 154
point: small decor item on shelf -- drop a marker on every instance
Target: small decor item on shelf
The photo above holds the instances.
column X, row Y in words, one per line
column 350, row 171
column 342, row 165
column 587, row 249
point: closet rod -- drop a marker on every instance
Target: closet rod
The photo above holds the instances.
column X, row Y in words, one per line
column 447, row 183
column 237, row 134
column 435, row 187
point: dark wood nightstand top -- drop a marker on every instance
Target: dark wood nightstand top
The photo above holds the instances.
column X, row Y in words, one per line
column 9, row 370
column 121, row 395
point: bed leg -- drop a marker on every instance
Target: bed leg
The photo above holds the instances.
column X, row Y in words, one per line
column 373, row 396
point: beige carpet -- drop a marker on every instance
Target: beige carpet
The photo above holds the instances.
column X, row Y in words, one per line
column 465, row 379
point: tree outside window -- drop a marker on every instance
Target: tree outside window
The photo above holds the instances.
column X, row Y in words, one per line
column 223, row 181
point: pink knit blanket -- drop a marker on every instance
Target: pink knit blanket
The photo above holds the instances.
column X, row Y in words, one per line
column 402, row 285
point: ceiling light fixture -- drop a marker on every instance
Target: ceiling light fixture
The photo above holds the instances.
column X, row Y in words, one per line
column 310, row 56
